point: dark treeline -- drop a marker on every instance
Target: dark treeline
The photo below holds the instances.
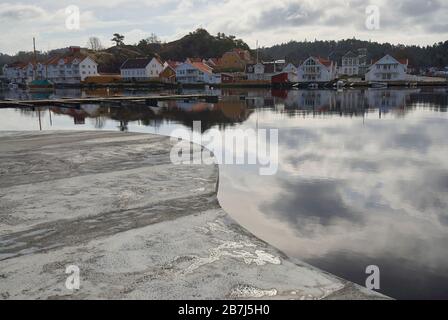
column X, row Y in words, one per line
column 421, row 57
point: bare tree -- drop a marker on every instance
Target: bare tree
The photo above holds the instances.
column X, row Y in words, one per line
column 94, row 44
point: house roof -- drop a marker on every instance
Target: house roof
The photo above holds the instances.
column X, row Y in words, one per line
column 193, row 60
column 325, row 62
column 18, row 64
column 173, row 64
column 350, row 54
column 68, row 58
column 402, row 61
column 136, row 63
column 202, row 66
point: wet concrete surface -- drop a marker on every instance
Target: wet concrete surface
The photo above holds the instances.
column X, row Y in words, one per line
column 136, row 225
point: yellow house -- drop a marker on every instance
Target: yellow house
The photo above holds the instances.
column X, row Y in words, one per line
column 168, row 75
column 235, row 60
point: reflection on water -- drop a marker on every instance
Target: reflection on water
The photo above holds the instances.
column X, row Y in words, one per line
column 363, row 176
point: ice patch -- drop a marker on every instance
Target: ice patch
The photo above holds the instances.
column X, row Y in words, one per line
column 247, row 292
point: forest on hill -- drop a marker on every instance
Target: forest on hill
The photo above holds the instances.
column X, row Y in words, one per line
column 421, row 57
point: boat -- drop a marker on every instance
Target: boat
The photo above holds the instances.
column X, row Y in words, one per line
column 313, row 86
column 340, row 84
column 378, row 85
column 41, row 86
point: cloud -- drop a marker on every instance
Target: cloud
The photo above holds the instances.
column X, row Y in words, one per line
column 270, row 22
column 18, row 13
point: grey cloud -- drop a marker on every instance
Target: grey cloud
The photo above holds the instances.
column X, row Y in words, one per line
column 21, row 13
column 419, row 7
column 294, row 14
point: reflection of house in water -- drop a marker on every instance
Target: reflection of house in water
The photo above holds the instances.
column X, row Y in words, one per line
column 316, row 100
column 228, row 111
column 436, row 99
column 386, row 100
column 260, row 99
column 350, row 102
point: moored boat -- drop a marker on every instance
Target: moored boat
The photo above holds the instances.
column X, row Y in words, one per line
column 379, row 85
column 41, row 86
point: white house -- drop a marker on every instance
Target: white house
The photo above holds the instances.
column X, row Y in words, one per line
column 264, row 71
column 316, row 69
column 15, row 72
column 141, row 69
column 71, row 67
column 291, row 70
column 388, row 69
column 196, row 72
column 350, row 64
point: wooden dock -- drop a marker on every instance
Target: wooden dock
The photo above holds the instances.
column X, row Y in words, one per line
column 117, row 100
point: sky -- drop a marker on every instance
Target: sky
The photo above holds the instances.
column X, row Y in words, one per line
column 419, row 22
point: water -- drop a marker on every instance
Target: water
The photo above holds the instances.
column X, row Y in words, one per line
column 363, row 175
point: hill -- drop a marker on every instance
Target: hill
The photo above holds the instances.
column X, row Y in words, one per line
column 199, row 44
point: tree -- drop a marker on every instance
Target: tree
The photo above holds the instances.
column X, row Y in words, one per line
column 153, row 39
column 118, row 39
column 94, row 44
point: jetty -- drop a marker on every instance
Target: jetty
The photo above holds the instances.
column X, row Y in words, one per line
column 136, row 226
column 147, row 99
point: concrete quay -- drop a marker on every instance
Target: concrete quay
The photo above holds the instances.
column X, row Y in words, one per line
column 136, row 226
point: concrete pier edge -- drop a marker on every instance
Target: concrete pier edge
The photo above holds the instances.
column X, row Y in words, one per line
column 137, row 226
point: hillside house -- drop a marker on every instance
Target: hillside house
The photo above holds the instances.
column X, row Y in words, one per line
column 234, row 61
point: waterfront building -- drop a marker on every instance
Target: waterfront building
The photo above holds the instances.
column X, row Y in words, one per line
column 196, row 73
column 291, row 70
column 15, row 72
column 388, row 69
column 316, row 69
column 354, row 64
column 168, row 75
column 70, row 67
column 264, row 71
column 141, row 69
column 350, row 65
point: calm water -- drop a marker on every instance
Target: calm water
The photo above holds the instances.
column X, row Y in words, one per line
column 363, row 176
